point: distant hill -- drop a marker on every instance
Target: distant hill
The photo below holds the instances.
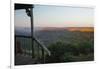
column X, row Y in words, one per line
column 76, row 29
column 22, row 31
column 81, row 29
column 27, row 31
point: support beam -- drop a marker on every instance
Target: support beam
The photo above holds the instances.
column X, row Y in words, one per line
column 32, row 35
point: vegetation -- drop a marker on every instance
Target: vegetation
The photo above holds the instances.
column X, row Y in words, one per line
column 64, row 52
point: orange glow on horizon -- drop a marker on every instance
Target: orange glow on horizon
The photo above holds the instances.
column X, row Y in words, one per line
column 81, row 29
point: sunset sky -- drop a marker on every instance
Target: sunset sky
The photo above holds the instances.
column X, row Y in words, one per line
column 56, row 16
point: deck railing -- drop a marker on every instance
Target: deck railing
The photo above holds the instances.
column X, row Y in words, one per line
column 40, row 50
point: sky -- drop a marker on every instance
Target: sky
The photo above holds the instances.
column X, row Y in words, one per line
column 56, row 16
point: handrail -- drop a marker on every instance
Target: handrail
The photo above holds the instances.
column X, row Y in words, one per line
column 43, row 46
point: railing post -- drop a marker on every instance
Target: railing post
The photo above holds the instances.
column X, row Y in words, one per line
column 38, row 52
column 24, row 47
column 43, row 55
column 15, row 47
